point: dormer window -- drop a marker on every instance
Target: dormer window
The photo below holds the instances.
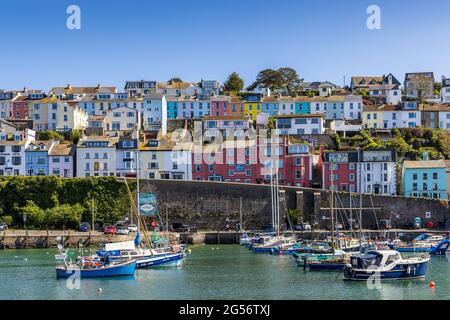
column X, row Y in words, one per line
column 41, row 147
column 17, row 137
column 2, row 136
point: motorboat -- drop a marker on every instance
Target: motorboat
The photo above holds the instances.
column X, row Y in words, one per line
column 386, row 265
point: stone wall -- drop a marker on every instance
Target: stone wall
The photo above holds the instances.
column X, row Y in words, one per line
column 212, row 205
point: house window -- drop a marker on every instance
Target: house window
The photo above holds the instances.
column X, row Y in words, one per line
column 435, row 175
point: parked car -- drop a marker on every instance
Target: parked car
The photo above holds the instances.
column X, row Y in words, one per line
column 302, row 227
column 110, row 230
column 132, row 228
column 85, row 227
column 182, row 227
column 3, row 227
column 122, row 231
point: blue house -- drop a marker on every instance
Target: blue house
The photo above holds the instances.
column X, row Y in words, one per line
column 302, row 107
column 424, row 179
column 36, row 158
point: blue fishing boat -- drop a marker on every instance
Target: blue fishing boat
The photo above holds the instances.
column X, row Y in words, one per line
column 88, row 268
column 422, row 243
column 386, row 265
column 440, row 248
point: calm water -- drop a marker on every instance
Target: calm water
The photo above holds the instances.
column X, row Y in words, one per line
column 231, row 272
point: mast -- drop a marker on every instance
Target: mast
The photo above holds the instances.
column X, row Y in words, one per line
column 137, row 190
column 240, row 214
column 360, row 211
column 277, row 203
column 272, row 198
column 331, row 204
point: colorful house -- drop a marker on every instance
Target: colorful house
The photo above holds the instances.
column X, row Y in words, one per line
column 424, row 179
column 61, row 160
column 36, row 155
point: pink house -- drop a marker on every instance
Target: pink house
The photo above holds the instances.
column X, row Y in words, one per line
column 61, row 161
column 226, row 106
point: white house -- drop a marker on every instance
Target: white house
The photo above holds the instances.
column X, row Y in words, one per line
column 12, row 152
column 300, row 124
column 165, row 161
column 445, row 90
column 122, row 119
column 154, row 112
column 126, row 156
column 353, row 106
column 6, row 101
column 377, row 172
column 96, row 156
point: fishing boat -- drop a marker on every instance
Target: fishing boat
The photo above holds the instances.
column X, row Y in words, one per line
column 441, row 248
column 87, row 267
column 422, row 243
column 334, row 261
column 386, row 265
column 144, row 257
column 274, row 243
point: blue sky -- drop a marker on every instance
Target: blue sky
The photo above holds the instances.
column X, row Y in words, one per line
column 157, row 39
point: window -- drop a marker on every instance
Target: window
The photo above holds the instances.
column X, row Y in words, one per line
column 231, row 172
column 425, row 176
column 435, row 175
column 55, row 159
column 16, row 149
column 415, row 176
column 16, row 161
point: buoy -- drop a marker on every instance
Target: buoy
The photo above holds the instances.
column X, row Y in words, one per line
column 189, row 251
column 217, row 248
column 280, row 253
column 212, row 248
column 432, row 284
column 25, row 259
column 99, row 290
column 46, row 253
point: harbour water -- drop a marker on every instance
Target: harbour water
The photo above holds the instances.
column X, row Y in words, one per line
column 209, row 272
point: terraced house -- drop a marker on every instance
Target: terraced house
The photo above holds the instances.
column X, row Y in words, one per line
column 301, row 124
column 96, row 156
column 407, row 115
column 12, row 151
column 61, row 160
column 426, row 178
column 37, row 158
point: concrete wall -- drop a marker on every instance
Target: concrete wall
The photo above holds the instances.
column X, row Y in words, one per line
column 210, row 204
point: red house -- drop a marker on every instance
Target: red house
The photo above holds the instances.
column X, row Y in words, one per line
column 20, row 108
column 251, row 162
column 340, row 170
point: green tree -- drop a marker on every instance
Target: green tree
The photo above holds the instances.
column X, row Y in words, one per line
column 399, row 144
column 291, row 80
column 234, row 83
column 64, row 215
column 7, row 219
column 35, row 215
column 75, row 136
column 49, row 135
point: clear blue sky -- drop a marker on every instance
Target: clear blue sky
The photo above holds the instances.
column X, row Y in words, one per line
column 157, row 39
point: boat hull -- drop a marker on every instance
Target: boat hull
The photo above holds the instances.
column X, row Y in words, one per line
column 399, row 272
column 122, row 269
column 173, row 259
column 327, row 266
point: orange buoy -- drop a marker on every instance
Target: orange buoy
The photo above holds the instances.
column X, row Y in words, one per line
column 432, row 284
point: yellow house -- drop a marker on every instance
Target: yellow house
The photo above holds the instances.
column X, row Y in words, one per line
column 372, row 117
column 252, row 108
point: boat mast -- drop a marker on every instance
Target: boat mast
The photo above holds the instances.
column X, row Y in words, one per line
column 360, row 211
column 331, row 204
column 272, row 198
column 137, row 191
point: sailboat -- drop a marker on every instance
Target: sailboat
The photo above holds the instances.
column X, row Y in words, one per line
column 268, row 244
column 145, row 257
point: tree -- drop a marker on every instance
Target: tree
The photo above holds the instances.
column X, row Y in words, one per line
column 268, row 78
column 7, row 219
column 291, row 80
column 75, row 136
column 35, row 215
column 399, row 144
column 174, row 80
column 234, row 83
column 64, row 215
column 283, row 78
column 49, row 135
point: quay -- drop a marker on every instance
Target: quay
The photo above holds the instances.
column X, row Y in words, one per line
column 21, row 239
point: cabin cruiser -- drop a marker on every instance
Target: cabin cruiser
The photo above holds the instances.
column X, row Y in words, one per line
column 386, row 265
column 273, row 243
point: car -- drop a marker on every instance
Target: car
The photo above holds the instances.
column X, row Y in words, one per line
column 182, row 227
column 3, row 227
column 132, row 228
column 122, row 231
column 110, row 230
column 302, row 227
column 84, row 227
